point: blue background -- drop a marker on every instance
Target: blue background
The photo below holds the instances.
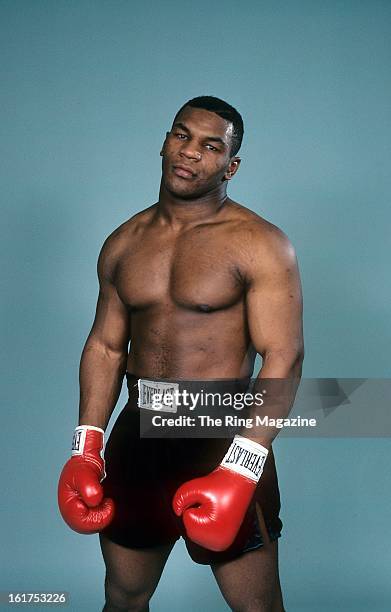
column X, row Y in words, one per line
column 88, row 89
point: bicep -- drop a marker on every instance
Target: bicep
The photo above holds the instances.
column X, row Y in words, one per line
column 111, row 326
column 274, row 304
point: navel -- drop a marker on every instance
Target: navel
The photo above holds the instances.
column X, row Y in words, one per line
column 204, row 307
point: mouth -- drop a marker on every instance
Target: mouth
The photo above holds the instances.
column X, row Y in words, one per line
column 184, row 172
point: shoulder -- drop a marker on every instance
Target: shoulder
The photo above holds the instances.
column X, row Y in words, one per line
column 259, row 237
column 262, row 247
column 121, row 240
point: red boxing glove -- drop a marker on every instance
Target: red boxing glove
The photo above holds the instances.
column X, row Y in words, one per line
column 213, row 506
column 80, row 494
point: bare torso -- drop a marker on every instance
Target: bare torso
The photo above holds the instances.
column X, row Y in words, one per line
column 185, row 292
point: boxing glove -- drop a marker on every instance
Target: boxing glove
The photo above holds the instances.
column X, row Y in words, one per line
column 80, row 493
column 213, row 506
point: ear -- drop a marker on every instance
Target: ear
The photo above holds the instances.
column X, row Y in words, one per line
column 232, row 168
column 163, row 145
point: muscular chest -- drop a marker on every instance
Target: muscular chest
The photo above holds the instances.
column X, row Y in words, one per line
column 194, row 272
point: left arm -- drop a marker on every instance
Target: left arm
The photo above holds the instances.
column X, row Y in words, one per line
column 213, row 506
column 274, row 314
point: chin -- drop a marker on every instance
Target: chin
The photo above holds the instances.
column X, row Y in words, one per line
column 180, row 190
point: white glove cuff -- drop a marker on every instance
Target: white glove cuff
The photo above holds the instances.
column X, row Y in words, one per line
column 79, row 438
column 245, row 457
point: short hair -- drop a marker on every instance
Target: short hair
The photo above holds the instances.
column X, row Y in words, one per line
column 224, row 110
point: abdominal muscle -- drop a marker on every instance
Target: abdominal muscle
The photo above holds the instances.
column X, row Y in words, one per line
column 190, row 346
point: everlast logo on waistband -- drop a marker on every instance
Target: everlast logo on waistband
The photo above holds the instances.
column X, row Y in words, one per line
column 149, row 392
column 240, row 456
column 148, row 389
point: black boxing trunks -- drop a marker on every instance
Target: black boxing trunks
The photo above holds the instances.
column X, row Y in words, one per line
column 143, row 475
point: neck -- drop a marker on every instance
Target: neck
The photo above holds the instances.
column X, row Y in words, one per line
column 179, row 211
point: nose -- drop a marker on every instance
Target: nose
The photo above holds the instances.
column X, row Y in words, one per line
column 190, row 152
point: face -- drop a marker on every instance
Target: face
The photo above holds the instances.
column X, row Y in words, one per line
column 196, row 154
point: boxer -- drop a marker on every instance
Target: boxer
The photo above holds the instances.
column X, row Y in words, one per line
column 191, row 288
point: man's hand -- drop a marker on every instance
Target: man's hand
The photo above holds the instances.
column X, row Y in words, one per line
column 213, row 507
column 80, row 493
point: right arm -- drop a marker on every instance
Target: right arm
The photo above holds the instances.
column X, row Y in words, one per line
column 80, row 493
column 104, row 357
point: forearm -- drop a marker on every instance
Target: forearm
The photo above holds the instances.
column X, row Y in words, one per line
column 277, row 381
column 101, row 375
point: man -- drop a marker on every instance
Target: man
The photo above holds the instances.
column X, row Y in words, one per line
column 198, row 285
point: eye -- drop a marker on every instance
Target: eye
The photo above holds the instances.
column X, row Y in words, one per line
column 211, row 147
column 181, row 136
